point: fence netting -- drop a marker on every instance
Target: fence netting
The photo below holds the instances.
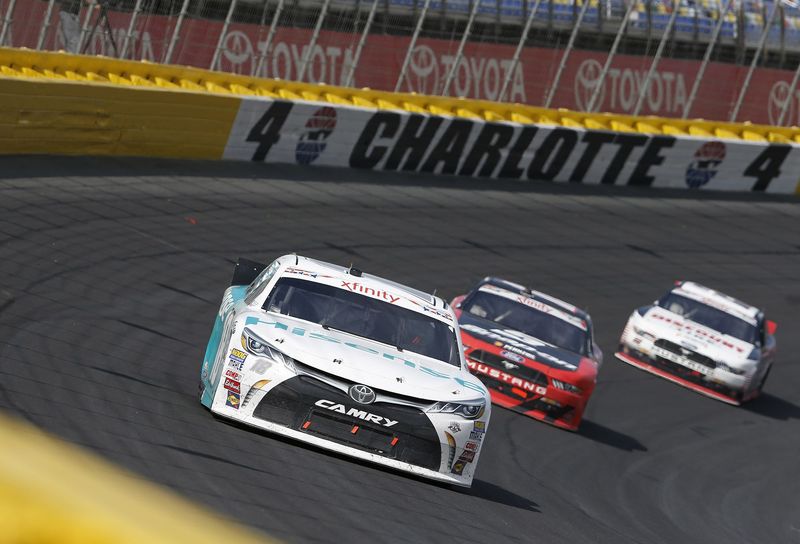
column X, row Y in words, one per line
column 715, row 59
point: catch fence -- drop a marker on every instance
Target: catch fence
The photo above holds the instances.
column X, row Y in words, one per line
column 716, row 59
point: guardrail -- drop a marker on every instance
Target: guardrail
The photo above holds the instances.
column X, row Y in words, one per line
column 59, row 103
column 54, row 493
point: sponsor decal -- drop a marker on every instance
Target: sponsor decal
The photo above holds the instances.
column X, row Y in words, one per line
column 232, row 374
column 399, row 359
column 261, row 366
column 356, row 287
column 301, row 272
column 458, row 467
column 471, row 446
column 696, row 331
column 511, row 356
column 235, row 365
column 238, row 355
column 467, row 456
column 232, row 385
column 355, row 412
column 312, row 142
column 480, row 426
column 514, row 381
column 476, row 435
column 232, row 399
column 666, row 92
column 455, row 427
column 706, row 162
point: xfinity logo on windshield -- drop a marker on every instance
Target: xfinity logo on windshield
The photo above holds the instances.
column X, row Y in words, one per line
column 354, row 412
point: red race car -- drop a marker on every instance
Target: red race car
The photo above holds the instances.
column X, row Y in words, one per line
column 534, row 352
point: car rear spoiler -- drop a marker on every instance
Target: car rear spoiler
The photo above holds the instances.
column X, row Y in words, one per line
column 246, row 271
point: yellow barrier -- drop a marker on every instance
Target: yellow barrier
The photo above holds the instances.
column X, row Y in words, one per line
column 101, row 72
column 54, row 493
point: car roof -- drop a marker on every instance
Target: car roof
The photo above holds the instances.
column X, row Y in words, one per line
column 516, row 288
column 330, row 271
column 718, row 300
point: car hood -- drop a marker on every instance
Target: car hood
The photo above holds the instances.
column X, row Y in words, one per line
column 360, row 360
column 704, row 340
column 520, row 343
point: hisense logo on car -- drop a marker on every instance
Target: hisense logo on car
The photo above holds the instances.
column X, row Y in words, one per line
column 355, row 412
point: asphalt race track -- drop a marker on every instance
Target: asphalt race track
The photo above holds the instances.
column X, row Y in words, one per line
column 111, row 272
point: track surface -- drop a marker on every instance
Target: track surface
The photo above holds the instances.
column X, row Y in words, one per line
column 111, row 272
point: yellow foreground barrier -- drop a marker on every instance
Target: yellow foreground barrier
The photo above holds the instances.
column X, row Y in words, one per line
column 102, row 72
column 54, row 493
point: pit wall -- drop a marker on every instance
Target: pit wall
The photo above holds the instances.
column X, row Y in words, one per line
column 55, row 103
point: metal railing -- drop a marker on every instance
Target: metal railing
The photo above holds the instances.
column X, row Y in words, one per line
column 717, row 59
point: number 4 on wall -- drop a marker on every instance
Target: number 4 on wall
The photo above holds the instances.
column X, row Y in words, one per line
column 267, row 130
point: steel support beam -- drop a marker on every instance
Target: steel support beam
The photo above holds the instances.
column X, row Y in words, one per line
column 348, row 80
column 659, row 52
column 565, row 57
column 460, row 53
column 610, row 58
column 412, row 45
column 687, row 108
column 518, row 51
column 761, row 42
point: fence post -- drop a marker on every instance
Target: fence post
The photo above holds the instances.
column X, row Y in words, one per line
column 45, row 26
column 85, row 27
column 612, row 52
column 262, row 56
column 137, row 9
column 561, row 65
column 348, row 81
column 222, row 35
column 301, row 73
column 664, row 39
column 756, row 56
column 518, row 51
column 706, row 58
column 412, row 44
column 451, row 74
column 176, row 31
column 789, row 97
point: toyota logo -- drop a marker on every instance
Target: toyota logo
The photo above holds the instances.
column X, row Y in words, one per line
column 424, row 71
column 587, row 79
column 362, row 394
column 778, row 96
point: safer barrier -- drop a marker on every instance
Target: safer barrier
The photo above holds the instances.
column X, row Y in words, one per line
column 57, row 103
column 54, row 493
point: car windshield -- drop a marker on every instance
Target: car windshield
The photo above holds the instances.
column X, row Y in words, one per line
column 709, row 316
column 366, row 317
column 536, row 323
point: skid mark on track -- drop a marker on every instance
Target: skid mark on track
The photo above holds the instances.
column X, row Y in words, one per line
column 153, row 331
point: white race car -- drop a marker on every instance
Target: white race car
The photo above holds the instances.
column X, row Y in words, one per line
column 703, row 340
column 348, row 362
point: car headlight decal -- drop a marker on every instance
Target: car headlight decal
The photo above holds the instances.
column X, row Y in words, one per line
column 467, row 410
column 259, row 347
column 564, row 386
column 643, row 333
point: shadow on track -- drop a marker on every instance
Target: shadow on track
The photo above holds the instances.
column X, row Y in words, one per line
column 773, row 407
column 610, row 437
column 490, row 492
column 38, row 166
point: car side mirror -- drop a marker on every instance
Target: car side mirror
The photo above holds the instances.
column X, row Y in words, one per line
column 598, row 353
column 771, row 327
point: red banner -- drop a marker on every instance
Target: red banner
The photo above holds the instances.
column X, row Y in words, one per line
column 480, row 72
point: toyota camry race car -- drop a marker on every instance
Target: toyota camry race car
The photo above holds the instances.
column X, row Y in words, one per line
column 703, row 340
column 534, row 352
column 348, row 362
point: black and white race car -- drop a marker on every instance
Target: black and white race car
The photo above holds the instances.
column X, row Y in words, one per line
column 349, row 362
